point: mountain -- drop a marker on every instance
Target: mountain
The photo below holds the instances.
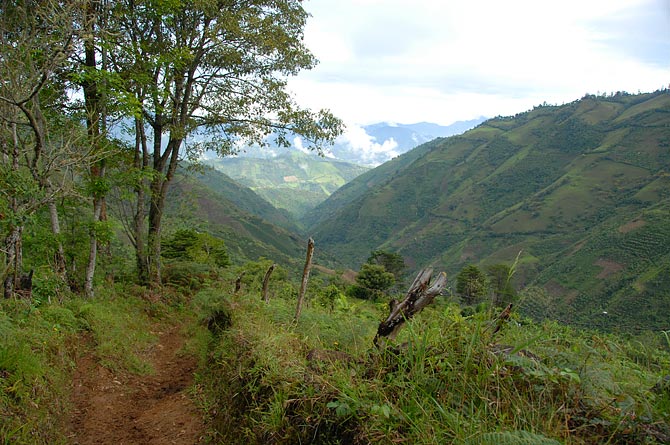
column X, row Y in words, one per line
column 371, row 145
column 359, row 186
column 293, row 181
column 375, row 144
column 296, row 181
column 581, row 190
column 207, row 200
column 244, row 198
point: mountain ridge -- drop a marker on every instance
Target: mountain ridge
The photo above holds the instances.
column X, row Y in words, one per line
column 540, row 183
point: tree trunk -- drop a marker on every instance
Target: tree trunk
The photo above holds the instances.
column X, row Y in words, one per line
column 154, row 237
column 140, row 163
column 60, row 266
column 140, row 246
column 13, row 260
column 92, row 252
column 418, row 297
column 94, row 118
column 266, row 281
column 159, row 189
column 305, row 277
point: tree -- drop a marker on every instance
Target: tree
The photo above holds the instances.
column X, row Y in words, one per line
column 215, row 69
column 500, row 278
column 91, row 65
column 392, row 262
column 371, row 282
column 189, row 245
column 471, row 284
column 39, row 143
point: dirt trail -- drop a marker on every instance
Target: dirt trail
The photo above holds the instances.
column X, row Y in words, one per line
column 124, row 409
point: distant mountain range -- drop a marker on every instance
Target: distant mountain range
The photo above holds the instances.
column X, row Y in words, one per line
column 293, row 181
column 381, row 142
column 372, row 145
column 297, row 181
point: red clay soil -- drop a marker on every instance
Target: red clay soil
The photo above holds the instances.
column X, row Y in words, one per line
column 125, row 409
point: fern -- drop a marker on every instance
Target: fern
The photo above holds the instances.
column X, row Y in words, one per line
column 512, row 438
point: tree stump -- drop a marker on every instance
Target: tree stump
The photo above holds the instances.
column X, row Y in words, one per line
column 418, row 297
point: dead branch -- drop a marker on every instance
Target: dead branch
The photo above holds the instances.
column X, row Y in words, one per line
column 418, row 297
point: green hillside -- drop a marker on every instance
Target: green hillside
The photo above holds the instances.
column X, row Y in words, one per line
column 211, row 202
column 360, row 185
column 294, row 181
column 244, row 198
column 582, row 190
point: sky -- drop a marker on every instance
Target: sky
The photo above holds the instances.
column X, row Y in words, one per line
column 441, row 61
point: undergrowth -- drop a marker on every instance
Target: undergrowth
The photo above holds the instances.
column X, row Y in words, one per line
column 447, row 379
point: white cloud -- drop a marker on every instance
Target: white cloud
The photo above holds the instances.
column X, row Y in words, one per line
column 366, row 147
column 297, row 143
column 422, row 60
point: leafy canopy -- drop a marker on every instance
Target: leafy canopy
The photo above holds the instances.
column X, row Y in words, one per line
column 471, row 284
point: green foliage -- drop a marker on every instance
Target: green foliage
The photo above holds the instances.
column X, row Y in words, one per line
column 188, row 275
column 372, row 282
column 449, row 382
column 500, row 280
column 329, row 296
column 471, row 284
column 190, row 245
column 512, row 438
column 392, row 262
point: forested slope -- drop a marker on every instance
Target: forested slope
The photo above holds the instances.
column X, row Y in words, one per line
column 250, row 227
column 294, row 181
column 581, row 190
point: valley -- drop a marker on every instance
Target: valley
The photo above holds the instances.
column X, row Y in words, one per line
column 570, row 202
column 201, row 242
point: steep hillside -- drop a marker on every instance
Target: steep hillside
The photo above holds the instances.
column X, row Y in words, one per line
column 360, row 185
column 294, row 181
column 582, row 190
column 212, row 203
column 245, row 198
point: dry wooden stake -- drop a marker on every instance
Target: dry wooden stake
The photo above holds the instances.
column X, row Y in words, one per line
column 305, row 277
column 266, row 280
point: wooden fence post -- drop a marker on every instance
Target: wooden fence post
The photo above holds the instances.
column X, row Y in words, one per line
column 238, row 282
column 305, row 277
column 266, row 280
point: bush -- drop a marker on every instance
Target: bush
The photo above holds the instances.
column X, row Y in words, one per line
column 188, row 274
column 372, row 282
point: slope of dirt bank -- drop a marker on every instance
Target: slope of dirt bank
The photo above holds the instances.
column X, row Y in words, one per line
column 124, row 409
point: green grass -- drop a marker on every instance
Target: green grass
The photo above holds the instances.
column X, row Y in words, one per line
column 444, row 381
column 39, row 345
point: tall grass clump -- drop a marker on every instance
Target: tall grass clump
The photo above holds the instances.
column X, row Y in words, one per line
column 446, row 379
column 37, row 343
